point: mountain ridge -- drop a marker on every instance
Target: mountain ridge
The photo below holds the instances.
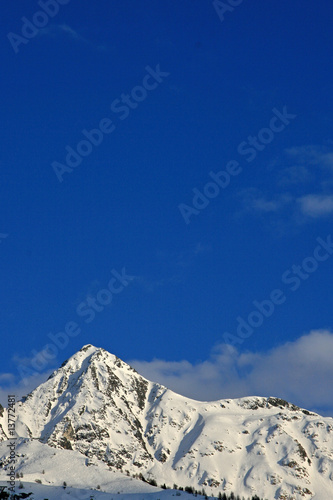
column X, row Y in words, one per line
column 98, row 405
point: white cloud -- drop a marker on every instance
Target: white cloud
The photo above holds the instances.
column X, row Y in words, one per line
column 303, row 188
column 266, row 205
column 6, row 377
column 20, row 388
column 311, row 155
column 300, row 372
column 38, row 361
column 263, row 205
column 255, row 201
column 296, row 174
column 316, row 205
column 30, row 372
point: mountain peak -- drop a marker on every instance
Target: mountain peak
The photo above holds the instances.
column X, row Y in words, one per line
column 101, row 407
column 88, row 351
column 88, row 347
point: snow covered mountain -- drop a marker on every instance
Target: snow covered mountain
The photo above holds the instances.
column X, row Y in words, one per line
column 99, row 406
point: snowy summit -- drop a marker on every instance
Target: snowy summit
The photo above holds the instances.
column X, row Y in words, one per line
column 99, row 411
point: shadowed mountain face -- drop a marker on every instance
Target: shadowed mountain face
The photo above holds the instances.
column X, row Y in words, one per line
column 100, row 406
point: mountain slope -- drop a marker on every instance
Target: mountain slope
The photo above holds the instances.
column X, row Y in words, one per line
column 99, row 406
column 52, row 467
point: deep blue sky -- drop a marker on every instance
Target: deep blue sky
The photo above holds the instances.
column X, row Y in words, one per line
column 119, row 207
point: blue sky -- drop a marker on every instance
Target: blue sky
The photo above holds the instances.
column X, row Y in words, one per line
column 180, row 92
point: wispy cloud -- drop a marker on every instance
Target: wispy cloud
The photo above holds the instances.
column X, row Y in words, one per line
column 176, row 264
column 6, row 378
column 55, row 30
column 254, row 200
column 300, row 372
column 311, row 155
column 316, row 205
column 303, row 190
column 187, row 258
column 296, row 174
column 28, row 361
column 70, row 32
column 11, row 385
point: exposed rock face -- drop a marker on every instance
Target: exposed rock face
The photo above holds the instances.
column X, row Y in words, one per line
column 100, row 406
